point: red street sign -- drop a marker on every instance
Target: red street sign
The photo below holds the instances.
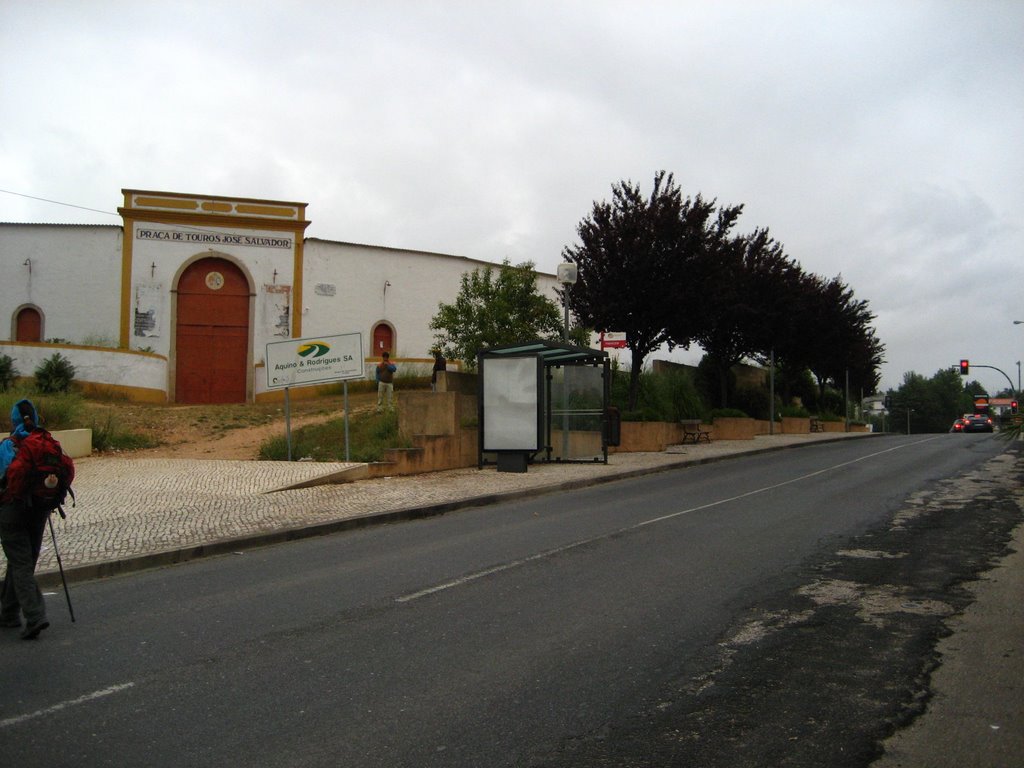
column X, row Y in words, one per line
column 613, row 340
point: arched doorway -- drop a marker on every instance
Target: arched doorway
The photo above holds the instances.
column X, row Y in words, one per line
column 212, row 333
column 383, row 339
column 28, row 325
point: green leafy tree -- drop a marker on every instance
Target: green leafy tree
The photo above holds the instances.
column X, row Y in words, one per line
column 492, row 309
column 632, row 255
column 933, row 404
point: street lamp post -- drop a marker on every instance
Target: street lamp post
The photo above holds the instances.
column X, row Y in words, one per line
column 566, row 276
column 1018, row 322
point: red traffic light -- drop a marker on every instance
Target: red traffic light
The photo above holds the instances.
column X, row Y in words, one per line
column 1013, row 406
column 965, row 367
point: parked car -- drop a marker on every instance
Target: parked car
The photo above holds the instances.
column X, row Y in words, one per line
column 958, row 425
column 978, row 424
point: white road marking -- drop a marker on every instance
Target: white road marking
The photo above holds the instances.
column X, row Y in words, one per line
column 469, row 577
column 65, row 704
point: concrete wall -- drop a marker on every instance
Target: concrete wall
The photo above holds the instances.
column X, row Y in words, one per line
column 76, row 443
column 796, row 425
column 140, row 376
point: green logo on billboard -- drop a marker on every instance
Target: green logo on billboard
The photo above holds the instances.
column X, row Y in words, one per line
column 314, row 349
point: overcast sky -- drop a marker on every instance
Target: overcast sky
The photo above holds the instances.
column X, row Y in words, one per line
column 877, row 140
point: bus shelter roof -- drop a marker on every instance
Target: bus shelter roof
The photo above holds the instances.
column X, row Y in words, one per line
column 551, row 352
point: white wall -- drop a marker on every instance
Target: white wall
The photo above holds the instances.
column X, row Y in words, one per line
column 74, row 279
column 115, row 367
column 356, row 275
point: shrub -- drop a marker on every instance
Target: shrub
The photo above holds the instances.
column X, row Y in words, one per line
column 728, row 413
column 795, row 410
column 667, row 396
column 8, row 373
column 110, row 437
column 754, row 401
column 55, row 374
column 832, row 402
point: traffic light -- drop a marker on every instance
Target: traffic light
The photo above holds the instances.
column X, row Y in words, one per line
column 1013, row 406
column 965, row 367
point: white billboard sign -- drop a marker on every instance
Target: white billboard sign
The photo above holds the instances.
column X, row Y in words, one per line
column 316, row 360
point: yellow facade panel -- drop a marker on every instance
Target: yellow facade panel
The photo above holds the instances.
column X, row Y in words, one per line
column 217, row 207
column 265, row 210
column 167, row 202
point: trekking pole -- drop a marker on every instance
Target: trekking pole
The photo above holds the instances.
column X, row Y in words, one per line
column 60, row 565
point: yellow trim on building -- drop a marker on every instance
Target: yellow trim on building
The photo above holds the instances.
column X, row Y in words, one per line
column 266, row 210
column 165, row 202
column 233, row 207
column 216, row 207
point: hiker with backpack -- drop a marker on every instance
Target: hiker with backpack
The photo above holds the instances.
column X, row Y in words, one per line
column 36, row 475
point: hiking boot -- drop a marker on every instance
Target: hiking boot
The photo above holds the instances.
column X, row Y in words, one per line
column 31, row 632
column 10, row 622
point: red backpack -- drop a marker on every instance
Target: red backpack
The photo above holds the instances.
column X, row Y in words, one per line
column 48, row 471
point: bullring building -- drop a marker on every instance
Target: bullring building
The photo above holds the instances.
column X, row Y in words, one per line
column 179, row 303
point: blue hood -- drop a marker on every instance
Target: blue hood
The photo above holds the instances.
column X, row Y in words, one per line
column 19, row 429
column 18, row 426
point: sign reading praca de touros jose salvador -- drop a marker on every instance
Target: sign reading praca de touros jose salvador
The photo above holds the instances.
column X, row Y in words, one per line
column 316, row 360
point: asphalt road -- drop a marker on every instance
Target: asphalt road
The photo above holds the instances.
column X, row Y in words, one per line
column 764, row 610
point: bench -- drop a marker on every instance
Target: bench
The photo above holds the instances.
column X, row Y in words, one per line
column 694, row 431
column 817, row 426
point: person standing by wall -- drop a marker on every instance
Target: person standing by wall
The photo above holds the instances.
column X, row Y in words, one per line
column 385, row 381
column 440, row 364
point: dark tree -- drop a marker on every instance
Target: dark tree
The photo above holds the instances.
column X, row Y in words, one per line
column 629, row 259
column 841, row 340
column 749, row 288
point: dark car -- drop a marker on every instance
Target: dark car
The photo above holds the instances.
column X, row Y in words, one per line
column 978, row 424
column 958, row 425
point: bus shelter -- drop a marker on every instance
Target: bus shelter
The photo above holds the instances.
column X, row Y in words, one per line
column 544, row 401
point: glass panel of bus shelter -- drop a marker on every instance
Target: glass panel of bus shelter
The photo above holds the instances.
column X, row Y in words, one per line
column 577, row 400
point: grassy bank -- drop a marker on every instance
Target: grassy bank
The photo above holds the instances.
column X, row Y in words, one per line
column 370, row 435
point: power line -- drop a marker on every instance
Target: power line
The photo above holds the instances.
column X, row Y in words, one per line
column 96, row 210
column 56, row 202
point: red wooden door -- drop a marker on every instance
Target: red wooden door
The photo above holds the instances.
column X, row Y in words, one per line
column 29, row 325
column 382, row 339
column 212, row 340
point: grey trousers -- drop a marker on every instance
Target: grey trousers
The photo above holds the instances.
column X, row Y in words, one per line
column 21, row 534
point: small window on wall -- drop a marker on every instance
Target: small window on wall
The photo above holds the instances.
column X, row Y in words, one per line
column 383, row 339
column 28, row 324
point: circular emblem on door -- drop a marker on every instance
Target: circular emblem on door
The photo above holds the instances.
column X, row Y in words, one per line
column 214, row 281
